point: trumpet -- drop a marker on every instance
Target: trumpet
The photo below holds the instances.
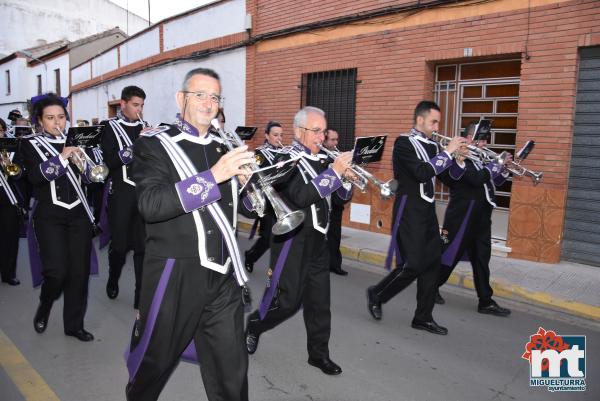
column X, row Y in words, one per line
column 475, row 153
column 98, row 172
column 287, row 219
column 10, row 169
column 386, row 189
column 515, row 167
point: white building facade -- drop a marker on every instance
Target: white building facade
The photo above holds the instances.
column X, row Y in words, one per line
column 21, row 80
column 29, row 23
column 157, row 60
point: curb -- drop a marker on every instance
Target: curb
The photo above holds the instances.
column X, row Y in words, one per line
column 501, row 288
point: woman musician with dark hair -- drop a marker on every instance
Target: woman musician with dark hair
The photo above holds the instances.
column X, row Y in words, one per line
column 62, row 220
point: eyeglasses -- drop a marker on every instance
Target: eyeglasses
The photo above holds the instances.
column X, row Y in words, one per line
column 216, row 99
column 315, row 131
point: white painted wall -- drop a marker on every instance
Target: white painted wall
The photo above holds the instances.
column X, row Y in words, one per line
column 104, row 63
column 81, row 73
column 26, row 21
column 221, row 20
column 24, row 81
column 14, row 100
column 140, row 47
column 160, row 85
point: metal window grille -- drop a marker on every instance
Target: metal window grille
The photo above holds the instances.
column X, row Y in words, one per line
column 335, row 93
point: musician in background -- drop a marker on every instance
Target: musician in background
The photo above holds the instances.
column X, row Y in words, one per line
column 62, row 219
column 11, row 211
column 415, row 230
column 126, row 225
column 334, row 234
column 299, row 260
column 266, row 154
column 13, row 115
column 192, row 270
column 468, row 224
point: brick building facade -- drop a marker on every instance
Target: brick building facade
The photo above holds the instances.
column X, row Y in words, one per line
column 400, row 52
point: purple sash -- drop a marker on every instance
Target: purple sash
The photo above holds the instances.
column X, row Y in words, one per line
column 270, row 293
column 134, row 357
column 449, row 256
column 393, row 248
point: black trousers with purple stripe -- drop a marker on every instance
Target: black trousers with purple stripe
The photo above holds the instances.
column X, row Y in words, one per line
column 304, row 282
column 202, row 305
column 476, row 242
column 418, row 239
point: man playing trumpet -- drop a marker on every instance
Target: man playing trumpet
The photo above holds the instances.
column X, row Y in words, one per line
column 126, row 226
column 299, row 273
column 468, row 221
column 415, row 231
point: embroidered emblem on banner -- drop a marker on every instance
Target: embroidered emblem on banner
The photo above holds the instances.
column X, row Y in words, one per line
column 200, row 187
column 324, row 182
column 440, row 162
column 127, row 153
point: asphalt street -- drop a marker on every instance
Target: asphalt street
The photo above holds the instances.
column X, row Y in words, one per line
column 384, row 360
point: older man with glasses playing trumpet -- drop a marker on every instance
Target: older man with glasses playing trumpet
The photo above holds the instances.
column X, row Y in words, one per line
column 299, row 267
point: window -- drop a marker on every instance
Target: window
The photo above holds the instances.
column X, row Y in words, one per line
column 335, row 93
column 39, row 84
column 7, row 74
column 471, row 91
column 57, row 81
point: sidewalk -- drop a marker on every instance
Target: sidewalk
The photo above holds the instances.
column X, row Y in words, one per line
column 566, row 287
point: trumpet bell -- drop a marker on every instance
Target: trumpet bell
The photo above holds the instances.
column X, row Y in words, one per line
column 537, row 177
column 98, row 173
column 13, row 170
column 388, row 189
column 287, row 223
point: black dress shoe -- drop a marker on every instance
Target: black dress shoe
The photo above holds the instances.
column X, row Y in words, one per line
column 438, row 299
column 112, row 288
column 40, row 321
column 247, row 264
column 11, row 281
column 373, row 304
column 339, row 271
column 326, row 365
column 431, row 327
column 251, row 342
column 81, row 335
column 493, row 309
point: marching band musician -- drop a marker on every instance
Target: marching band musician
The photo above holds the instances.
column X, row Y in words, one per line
column 193, row 270
column 299, row 274
column 468, row 224
column 334, row 234
column 126, row 225
column 11, row 211
column 415, row 229
column 62, row 219
column 266, row 154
